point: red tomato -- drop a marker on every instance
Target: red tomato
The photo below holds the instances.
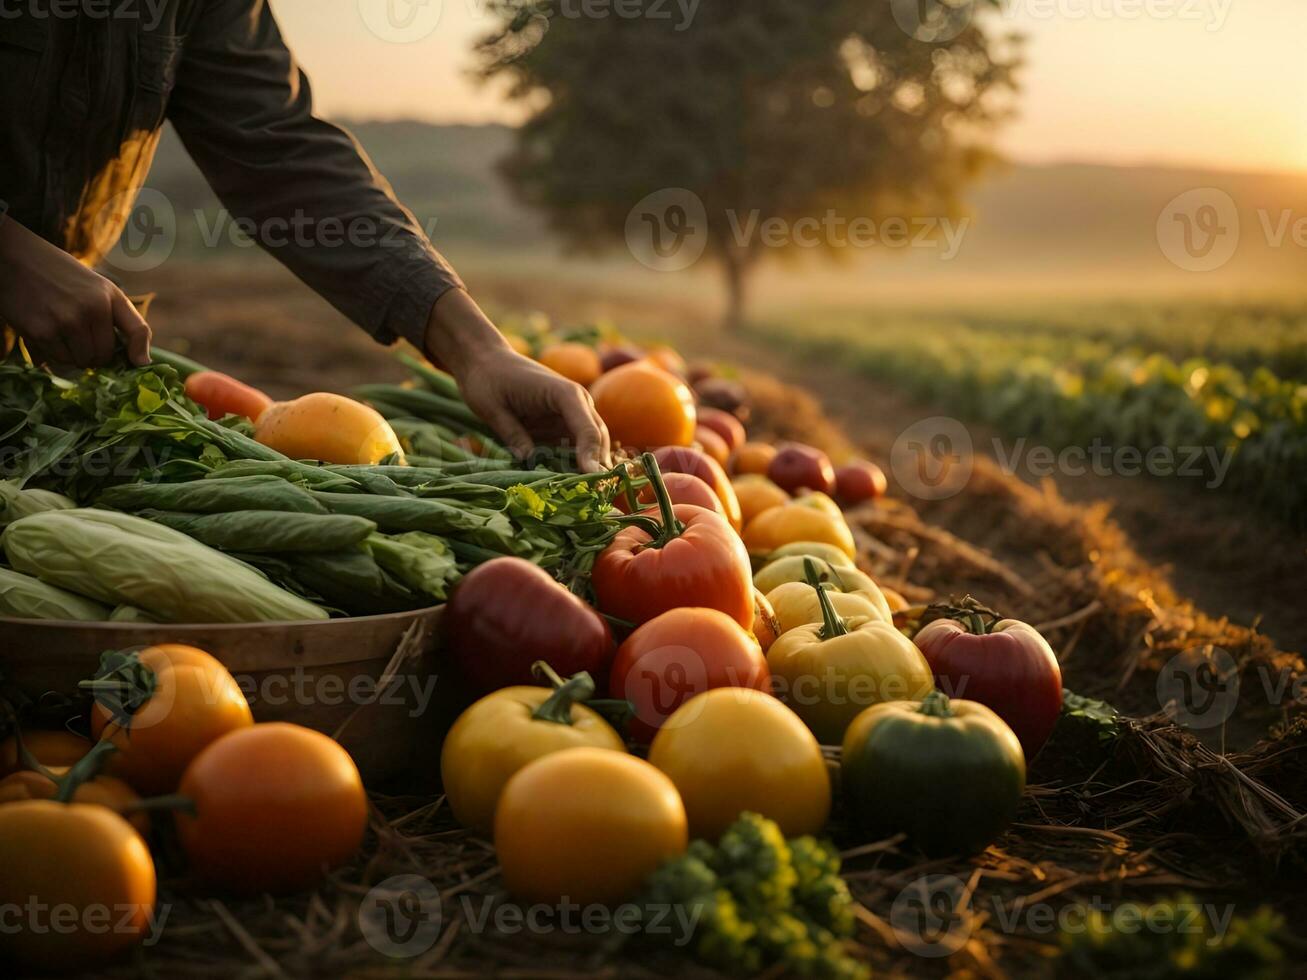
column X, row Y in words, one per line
column 220, row 394
column 508, row 613
column 796, row 466
column 712, row 444
column 1009, row 668
column 685, row 459
column 725, row 425
column 859, row 481
column 683, row 489
column 679, row 654
column 636, row 578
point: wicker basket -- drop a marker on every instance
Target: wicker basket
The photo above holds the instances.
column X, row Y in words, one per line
column 372, row 682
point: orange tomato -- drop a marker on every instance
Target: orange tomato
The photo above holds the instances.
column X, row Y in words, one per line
column 895, row 600
column 103, row 791
column 753, row 457
column 574, row 361
column 797, row 522
column 667, row 358
column 71, row 856
column 50, row 748
column 519, row 343
column 276, row 807
column 586, row 825
column 194, row 701
column 756, row 494
column 644, row 406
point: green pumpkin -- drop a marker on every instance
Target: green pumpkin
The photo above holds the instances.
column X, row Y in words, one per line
column 949, row 774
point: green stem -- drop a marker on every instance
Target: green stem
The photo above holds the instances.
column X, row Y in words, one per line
column 83, row 771
column 936, row 705
column 832, row 625
column 671, row 528
column 558, row 707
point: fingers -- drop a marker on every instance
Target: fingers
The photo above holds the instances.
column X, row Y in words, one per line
column 510, row 431
column 133, row 328
column 591, row 435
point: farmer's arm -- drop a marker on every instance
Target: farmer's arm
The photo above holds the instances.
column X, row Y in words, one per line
column 244, row 110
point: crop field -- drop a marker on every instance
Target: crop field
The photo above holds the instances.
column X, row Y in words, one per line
column 1201, row 379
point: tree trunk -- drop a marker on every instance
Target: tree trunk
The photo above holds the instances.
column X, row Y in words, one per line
column 736, row 268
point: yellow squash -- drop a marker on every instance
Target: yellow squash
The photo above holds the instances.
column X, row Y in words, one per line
column 327, row 427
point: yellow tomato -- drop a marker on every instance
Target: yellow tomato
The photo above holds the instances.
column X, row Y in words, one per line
column 753, row 457
column 732, row 749
column 843, row 578
column 796, row 604
column 829, row 671
column 813, row 549
column 796, row 522
column 327, row 427
column 586, row 825
column 820, row 502
column 757, row 494
column 503, row 732
column 83, row 863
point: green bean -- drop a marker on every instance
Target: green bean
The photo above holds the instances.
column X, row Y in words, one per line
column 268, row 532
column 215, row 496
column 318, row 477
column 437, row 381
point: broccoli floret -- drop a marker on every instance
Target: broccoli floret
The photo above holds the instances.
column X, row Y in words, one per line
column 755, row 901
column 753, row 861
column 820, row 892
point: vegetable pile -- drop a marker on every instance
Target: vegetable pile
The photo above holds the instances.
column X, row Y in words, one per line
column 126, row 499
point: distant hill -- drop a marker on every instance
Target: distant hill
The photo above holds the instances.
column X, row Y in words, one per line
column 1071, row 227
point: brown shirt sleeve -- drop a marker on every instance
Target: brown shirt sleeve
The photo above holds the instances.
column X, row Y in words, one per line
column 244, row 111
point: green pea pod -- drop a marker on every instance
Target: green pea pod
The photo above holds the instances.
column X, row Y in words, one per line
column 266, row 531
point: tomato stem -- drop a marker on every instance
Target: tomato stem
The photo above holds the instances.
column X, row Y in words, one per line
column 832, row 624
column 936, row 705
column 83, row 771
column 557, row 708
column 173, row 801
column 671, row 528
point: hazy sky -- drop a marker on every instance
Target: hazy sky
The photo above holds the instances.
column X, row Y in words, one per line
column 1212, row 82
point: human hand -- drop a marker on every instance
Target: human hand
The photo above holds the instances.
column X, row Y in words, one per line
column 521, row 400
column 64, row 311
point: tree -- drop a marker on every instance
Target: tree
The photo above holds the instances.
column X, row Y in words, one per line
column 770, row 109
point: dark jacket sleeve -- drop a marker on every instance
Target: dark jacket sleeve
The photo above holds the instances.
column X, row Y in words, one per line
column 244, row 111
